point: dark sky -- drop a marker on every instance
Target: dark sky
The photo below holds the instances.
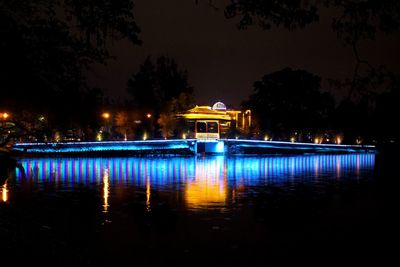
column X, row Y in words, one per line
column 222, row 61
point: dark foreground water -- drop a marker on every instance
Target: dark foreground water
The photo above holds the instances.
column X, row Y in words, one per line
column 203, row 211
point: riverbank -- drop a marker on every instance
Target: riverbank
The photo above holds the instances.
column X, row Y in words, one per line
column 184, row 146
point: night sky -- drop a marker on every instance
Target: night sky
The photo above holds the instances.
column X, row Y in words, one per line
column 222, row 61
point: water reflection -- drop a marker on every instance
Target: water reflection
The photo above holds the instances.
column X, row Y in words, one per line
column 4, row 192
column 148, row 191
column 73, row 171
column 209, row 185
column 106, row 190
column 201, row 181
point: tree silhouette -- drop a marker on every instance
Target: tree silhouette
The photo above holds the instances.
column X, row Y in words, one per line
column 289, row 101
column 386, row 112
column 352, row 20
column 47, row 45
column 156, row 84
column 265, row 13
column 355, row 19
column 160, row 88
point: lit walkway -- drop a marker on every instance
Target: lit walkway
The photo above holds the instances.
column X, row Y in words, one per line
column 186, row 146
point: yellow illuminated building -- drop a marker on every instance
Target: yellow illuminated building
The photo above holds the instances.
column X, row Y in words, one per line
column 214, row 122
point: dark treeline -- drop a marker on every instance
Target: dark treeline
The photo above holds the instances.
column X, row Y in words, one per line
column 368, row 110
column 45, row 48
column 292, row 104
column 156, row 92
column 161, row 89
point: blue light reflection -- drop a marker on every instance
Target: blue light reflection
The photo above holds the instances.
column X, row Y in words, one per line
column 178, row 170
column 202, row 182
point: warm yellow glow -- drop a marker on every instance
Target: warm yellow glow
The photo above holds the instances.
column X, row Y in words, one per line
column 292, row 139
column 148, row 194
column 223, row 116
column 106, row 115
column 144, row 136
column 99, row 136
column 237, row 118
column 125, row 137
column 338, row 140
column 183, row 136
column 5, row 115
column 148, row 115
column 266, row 138
column 208, row 188
column 207, row 116
column 106, row 190
column 4, row 192
column 248, row 112
column 316, row 140
column 57, row 137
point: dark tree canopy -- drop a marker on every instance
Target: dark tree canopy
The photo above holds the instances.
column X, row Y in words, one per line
column 356, row 19
column 268, row 13
column 46, row 45
column 386, row 112
column 289, row 100
column 158, row 83
column 352, row 20
column 162, row 89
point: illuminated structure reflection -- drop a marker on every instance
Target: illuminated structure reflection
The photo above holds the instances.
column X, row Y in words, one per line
column 4, row 192
column 203, row 181
column 148, row 194
column 209, row 186
column 106, row 190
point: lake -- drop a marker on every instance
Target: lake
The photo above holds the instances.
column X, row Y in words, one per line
column 196, row 210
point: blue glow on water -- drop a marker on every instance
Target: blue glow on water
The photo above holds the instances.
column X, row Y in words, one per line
column 170, row 171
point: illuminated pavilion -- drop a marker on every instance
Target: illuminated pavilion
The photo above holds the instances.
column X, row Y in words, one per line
column 216, row 121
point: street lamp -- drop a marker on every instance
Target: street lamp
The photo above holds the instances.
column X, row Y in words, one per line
column 5, row 115
column 248, row 112
column 106, row 115
column 149, row 126
column 107, row 125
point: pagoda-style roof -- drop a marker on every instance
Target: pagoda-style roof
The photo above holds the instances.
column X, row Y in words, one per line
column 206, row 112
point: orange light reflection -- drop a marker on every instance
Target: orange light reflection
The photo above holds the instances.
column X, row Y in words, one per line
column 148, row 188
column 106, row 190
column 4, row 192
column 209, row 188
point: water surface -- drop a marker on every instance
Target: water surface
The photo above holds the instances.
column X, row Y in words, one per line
column 172, row 210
